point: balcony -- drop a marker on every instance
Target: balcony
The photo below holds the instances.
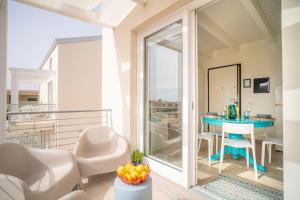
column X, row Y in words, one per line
column 59, row 130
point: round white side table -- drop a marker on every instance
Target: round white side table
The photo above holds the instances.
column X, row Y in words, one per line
column 124, row 191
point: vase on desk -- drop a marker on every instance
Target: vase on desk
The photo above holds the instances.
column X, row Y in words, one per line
column 246, row 113
column 232, row 112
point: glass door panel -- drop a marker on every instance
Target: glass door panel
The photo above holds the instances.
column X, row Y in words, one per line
column 163, row 95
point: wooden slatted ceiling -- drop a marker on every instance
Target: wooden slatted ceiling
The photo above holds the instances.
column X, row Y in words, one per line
column 272, row 9
column 233, row 18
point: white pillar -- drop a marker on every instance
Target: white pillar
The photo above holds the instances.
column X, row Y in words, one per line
column 291, row 97
column 14, row 92
column 3, row 31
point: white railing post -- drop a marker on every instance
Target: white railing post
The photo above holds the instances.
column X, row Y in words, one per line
column 56, row 131
column 111, row 121
column 107, row 118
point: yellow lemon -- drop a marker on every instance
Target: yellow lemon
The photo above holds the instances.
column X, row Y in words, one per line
column 143, row 175
column 138, row 175
column 121, row 169
column 120, row 173
column 132, row 168
column 140, row 168
column 134, row 174
column 128, row 166
column 146, row 168
column 128, row 177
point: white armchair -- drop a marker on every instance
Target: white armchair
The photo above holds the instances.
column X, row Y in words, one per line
column 76, row 195
column 28, row 173
column 100, row 150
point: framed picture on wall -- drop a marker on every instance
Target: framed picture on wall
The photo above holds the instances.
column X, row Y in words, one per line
column 247, row 83
column 261, row 85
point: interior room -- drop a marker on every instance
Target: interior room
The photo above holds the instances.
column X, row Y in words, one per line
column 239, row 61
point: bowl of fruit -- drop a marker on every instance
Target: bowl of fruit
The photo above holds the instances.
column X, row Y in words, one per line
column 136, row 172
column 133, row 174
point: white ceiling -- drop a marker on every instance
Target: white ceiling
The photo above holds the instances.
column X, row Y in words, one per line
column 230, row 23
column 224, row 24
column 104, row 12
column 272, row 9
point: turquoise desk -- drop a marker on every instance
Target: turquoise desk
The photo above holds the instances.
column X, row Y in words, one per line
column 237, row 152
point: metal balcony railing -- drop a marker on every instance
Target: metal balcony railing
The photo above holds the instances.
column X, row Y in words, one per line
column 30, row 107
column 53, row 129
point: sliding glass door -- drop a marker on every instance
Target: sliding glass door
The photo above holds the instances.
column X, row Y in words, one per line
column 163, row 95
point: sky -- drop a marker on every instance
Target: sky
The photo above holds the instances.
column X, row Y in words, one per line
column 31, row 31
column 164, row 73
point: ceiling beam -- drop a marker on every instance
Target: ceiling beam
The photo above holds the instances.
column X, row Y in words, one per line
column 141, row 2
column 254, row 9
column 216, row 31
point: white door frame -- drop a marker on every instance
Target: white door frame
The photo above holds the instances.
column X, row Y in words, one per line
column 176, row 175
column 188, row 175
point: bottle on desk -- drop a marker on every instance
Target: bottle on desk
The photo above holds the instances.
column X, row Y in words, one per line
column 237, row 109
column 246, row 113
column 227, row 112
column 223, row 113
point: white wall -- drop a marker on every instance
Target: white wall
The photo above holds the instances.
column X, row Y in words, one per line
column 79, row 75
column 54, row 78
column 291, row 97
column 3, row 69
column 76, row 85
column 258, row 59
column 77, row 79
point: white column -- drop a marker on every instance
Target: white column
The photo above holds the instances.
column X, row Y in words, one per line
column 3, row 30
column 291, row 97
column 14, row 92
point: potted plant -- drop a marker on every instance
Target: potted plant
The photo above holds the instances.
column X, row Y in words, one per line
column 137, row 157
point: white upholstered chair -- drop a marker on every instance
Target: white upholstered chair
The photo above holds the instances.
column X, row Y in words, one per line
column 243, row 129
column 209, row 137
column 35, row 174
column 217, row 134
column 269, row 141
column 100, row 150
column 76, row 195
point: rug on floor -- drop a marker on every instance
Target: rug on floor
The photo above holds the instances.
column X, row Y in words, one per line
column 234, row 188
